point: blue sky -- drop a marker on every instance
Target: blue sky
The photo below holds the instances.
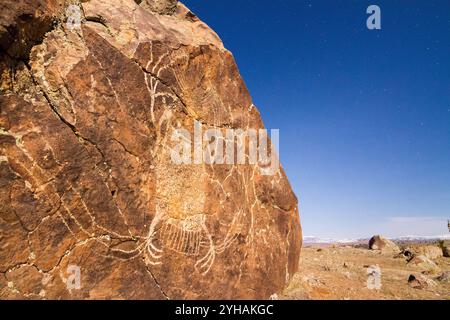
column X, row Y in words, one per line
column 364, row 115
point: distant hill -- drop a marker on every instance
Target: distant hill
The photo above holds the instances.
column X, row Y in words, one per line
column 310, row 240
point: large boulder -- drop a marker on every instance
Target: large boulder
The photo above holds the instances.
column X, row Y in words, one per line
column 88, row 183
column 384, row 245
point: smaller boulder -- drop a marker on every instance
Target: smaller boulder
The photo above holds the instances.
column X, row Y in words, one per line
column 384, row 245
column 406, row 253
column 423, row 263
column 420, row 282
column 445, row 246
column 444, row 277
column 431, row 252
column 446, row 251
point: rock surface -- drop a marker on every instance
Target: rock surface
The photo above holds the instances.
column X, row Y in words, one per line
column 424, row 263
column 86, row 179
column 420, row 281
column 384, row 245
column 167, row 7
column 431, row 252
column 444, row 277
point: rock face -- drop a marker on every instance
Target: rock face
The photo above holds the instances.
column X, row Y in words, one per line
column 92, row 205
column 384, row 245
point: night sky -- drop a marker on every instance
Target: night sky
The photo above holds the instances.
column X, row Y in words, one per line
column 364, row 115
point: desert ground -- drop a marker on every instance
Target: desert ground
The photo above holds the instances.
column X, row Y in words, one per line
column 339, row 272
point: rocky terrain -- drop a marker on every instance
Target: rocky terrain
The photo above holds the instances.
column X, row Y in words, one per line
column 92, row 205
column 340, row 271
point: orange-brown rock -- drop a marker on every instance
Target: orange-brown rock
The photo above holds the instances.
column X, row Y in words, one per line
column 420, row 282
column 86, row 178
column 384, row 245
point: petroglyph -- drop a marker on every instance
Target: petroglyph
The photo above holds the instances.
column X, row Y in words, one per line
column 86, row 171
column 188, row 237
column 184, row 236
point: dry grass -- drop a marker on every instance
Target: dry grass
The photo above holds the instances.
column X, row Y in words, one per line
column 340, row 272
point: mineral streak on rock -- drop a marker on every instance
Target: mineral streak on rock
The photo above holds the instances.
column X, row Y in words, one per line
column 86, row 178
